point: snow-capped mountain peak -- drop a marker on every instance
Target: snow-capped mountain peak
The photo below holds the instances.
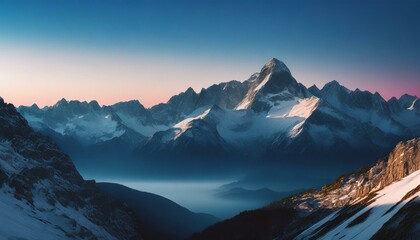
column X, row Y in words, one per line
column 335, row 86
column 275, row 65
column 273, row 85
column 270, row 107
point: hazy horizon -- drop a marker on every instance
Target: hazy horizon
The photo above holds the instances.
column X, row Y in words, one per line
column 113, row 52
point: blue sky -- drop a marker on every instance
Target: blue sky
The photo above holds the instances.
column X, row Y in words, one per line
column 133, row 45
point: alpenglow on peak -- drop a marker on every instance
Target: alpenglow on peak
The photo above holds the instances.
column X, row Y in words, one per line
column 275, row 65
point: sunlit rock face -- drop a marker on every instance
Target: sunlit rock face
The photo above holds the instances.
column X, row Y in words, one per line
column 372, row 203
column 268, row 117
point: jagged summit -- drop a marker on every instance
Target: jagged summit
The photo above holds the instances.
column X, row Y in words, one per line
column 190, row 90
column 275, row 65
column 34, row 106
column 406, row 100
column 334, row 85
column 314, row 86
column 273, row 85
column 134, row 103
column 94, row 105
column 63, row 101
column 272, row 94
column 133, row 107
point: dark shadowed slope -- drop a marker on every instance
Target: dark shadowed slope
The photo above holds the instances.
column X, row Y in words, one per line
column 161, row 218
column 42, row 195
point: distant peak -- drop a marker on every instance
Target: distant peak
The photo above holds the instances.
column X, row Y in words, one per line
column 407, row 97
column 378, row 97
column 334, row 84
column 131, row 105
column 94, row 104
column 63, row 101
column 34, row 106
column 392, row 99
column 133, row 102
column 275, row 65
column 190, row 90
column 314, row 87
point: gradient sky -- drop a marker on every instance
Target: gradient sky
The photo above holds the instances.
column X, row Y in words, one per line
column 150, row 50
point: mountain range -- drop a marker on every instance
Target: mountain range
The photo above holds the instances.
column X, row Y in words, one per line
column 269, row 120
column 43, row 196
column 270, row 116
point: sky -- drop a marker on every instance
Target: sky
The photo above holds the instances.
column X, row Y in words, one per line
column 114, row 51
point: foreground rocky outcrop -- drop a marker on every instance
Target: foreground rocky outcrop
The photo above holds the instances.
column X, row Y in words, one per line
column 42, row 195
column 382, row 200
column 401, row 162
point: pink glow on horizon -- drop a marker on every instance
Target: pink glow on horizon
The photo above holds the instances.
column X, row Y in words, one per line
column 45, row 75
column 386, row 85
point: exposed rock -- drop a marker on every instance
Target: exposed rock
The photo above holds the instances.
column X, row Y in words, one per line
column 47, row 187
column 345, row 197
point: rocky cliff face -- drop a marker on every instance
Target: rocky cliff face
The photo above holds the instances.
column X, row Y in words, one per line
column 401, row 162
column 43, row 196
column 351, row 194
column 378, row 200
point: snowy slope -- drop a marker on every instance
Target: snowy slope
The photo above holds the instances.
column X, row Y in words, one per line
column 42, row 196
column 366, row 222
column 407, row 111
column 363, row 106
column 279, row 115
column 20, row 220
column 241, row 128
column 377, row 202
column 92, row 124
column 270, row 111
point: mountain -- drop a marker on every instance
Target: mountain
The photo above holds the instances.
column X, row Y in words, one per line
column 363, row 106
column 282, row 117
column 42, row 194
column 270, row 116
column 89, row 124
column 406, row 110
column 273, row 85
column 160, row 217
column 378, row 202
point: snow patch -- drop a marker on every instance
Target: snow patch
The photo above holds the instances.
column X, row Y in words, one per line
column 387, row 198
column 411, row 108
